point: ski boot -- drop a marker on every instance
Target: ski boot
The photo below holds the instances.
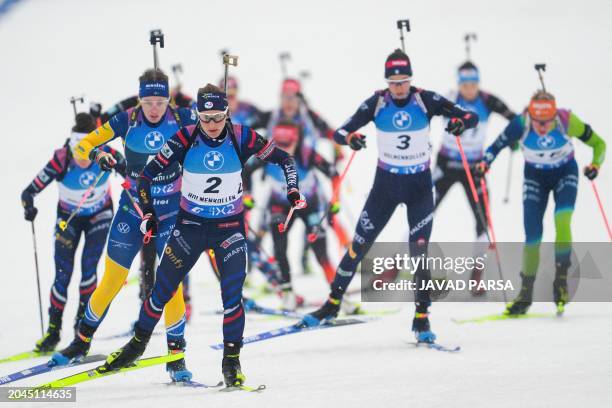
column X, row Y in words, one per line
column 230, row 366
column 51, row 337
column 127, row 354
column 560, row 293
column 178, row 369
column 421, row 328
column 325, row 313
column 289, row 299
column 79, row 316
column 477, row 277
column 521, row 304
column 77, row 350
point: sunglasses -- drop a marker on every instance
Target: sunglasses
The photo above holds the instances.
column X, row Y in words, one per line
column 398, row 82
column 214, row 117
column 156, row 104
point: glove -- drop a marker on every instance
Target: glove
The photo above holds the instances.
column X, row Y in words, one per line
column 248, row 201
column 294, row 197
column 455, row 126
column 356, row 141
column 95, row 109
column 29, row 212
column 591, row 171
column 481, row 168
column 333, row 210
column 105, row 160
column 149, row 223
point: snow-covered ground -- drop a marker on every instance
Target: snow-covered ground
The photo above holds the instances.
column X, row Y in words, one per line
column 51, row 50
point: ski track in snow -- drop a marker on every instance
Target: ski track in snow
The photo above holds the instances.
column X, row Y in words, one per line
column 53, row 50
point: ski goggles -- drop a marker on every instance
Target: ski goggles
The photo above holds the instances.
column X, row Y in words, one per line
column 399, row 82
column 213, row 117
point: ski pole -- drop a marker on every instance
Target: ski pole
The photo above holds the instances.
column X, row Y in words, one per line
column 508, row 179
column 400, row 25
column 468, row 49
column 40, row 313
column 176, row 70
column 64, row 224
column 157, row 37
column 312, row 237
column 299, row 204
column 601, row 209
column 126, row 186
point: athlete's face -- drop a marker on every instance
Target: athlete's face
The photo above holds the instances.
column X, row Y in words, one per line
column 290, row 104
column 468, row 90
column 399, row 86
column 207, row 122
column 154, row 107
column 542, row 127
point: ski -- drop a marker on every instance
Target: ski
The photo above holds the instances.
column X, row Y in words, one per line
column 45, row 368
column 193, row 384
column 26, row 355
column 295, row 328
column 436, row 346
column 243, row 387
column 96, row 373
column 264, row 311
column 495, row 317
column 123, row 335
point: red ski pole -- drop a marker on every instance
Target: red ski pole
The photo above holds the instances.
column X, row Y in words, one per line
column 299, row 204
column 126, row 186
column 601, row 209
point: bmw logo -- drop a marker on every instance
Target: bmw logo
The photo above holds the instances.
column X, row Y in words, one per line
column 402, row 120
column 86, row 179
column 154, row 140
column 546, row 142
column 123, row 227
column 213, row 160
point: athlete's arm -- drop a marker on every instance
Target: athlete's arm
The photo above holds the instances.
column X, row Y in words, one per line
column 439, row 105
column 494, row 104
column 511, row 134
column 115, row 127
column 321, row 125
column 255, row 144
column 577, row 128
column 52, row 170
column 363, row 115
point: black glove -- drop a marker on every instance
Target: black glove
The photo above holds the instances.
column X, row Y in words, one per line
column 294, row 197
column 29, row 212
column 591, row 171
column 356, row 141
column 105, row 160
column 481, row 168
column 149, row 223
column 455, row 126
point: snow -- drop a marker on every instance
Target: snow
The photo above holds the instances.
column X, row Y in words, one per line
column 54, row 50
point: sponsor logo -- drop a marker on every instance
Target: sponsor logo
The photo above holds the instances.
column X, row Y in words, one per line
column 154, row 140
column 86, row 179
column 213, row 160
column 208, row 105
column 402, row 120
column 546, row 142
column 42, row 176
column 160, row 202
column 123, row 228
column 236, row 251
column 166, row 151
column 359, row 239
column 364, row 221
column 169, row 252
column 234, row 238
column 176, row 233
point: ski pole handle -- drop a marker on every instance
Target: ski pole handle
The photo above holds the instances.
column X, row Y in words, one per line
column 126, row 186
column 64, row 224
column 601, row 209
column 299, row 204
